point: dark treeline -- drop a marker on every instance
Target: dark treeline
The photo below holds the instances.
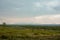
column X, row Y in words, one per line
column 46, row 27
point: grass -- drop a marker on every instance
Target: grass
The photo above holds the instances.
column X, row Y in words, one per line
column 22, row 33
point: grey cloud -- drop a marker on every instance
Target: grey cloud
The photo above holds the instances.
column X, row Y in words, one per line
column 23, row 8
column 8, row 4
column 57, row 8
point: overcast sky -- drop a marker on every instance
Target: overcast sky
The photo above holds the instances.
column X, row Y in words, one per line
column 30, row 11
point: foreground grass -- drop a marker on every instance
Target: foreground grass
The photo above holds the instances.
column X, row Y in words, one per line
column 20, row 33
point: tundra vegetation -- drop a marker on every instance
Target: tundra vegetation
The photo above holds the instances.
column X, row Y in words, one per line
column 29, row 32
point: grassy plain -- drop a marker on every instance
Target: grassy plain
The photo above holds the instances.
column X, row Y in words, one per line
column 29, row 32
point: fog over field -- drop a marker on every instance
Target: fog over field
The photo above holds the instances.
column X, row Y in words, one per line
column 44, row 19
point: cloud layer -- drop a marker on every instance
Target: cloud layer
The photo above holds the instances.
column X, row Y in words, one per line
column 30, row 11
column 28, row 8
column 44, row 19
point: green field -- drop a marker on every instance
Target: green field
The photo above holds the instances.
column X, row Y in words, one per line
column 29, row 32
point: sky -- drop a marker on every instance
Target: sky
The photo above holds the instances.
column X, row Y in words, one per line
column 30, row 11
